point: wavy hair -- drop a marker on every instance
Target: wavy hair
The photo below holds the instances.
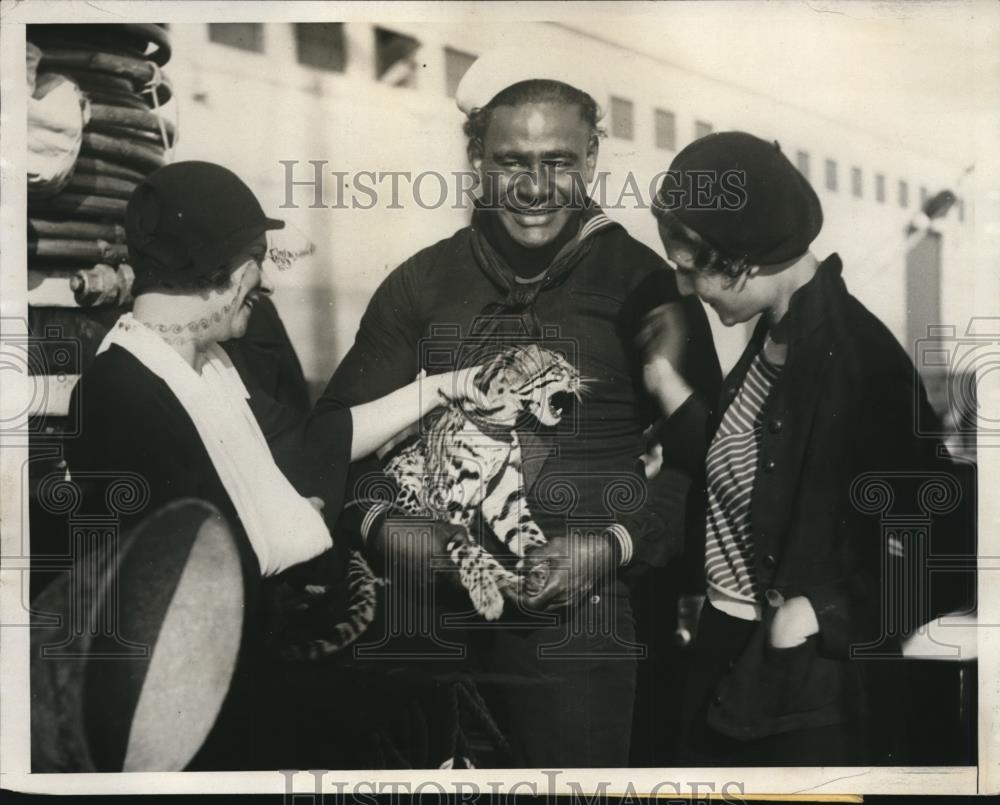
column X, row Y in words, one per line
column 537, row 90
column 706, row 257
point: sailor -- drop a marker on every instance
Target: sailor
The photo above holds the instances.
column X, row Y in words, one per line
column 541, row 262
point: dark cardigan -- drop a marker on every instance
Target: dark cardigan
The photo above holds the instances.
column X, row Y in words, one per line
column 844, row 405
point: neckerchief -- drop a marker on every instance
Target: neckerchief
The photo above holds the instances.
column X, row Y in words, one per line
column 515, row 314
column 528, row 262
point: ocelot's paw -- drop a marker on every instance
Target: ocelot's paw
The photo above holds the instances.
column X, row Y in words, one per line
column 487, row 599
column 524, row 541
column 481, row 576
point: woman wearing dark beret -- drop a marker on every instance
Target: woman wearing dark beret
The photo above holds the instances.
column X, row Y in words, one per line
column 822, row 393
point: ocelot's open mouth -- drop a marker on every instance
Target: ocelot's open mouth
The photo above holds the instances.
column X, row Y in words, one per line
column 560, row 403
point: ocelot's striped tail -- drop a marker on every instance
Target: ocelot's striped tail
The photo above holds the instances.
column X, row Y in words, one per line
column 362, row 584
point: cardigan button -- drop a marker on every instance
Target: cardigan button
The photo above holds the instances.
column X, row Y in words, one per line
column 769, row 466
column 775, row 425
column 770, row 561
column 774, row 598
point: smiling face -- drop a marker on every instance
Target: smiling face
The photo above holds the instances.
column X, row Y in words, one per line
column 533, row 161
column 248, row 283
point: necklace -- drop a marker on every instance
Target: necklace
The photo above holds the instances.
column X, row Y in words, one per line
column 176, row 333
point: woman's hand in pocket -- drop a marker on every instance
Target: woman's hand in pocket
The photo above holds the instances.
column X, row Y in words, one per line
column 794, row 622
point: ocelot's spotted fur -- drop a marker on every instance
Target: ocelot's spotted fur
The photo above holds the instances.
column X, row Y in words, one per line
column 468, row 461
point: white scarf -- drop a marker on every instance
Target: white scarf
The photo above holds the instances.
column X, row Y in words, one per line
column 282, row 526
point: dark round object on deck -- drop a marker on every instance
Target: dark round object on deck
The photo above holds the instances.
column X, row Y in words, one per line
column 182, row 587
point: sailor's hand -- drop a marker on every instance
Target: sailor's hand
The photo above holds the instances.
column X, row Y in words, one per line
column 574, row 567
column 416, row 550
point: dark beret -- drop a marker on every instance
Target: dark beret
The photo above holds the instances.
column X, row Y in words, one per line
column 744, row 197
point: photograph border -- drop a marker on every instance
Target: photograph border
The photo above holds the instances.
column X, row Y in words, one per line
column 14, row 695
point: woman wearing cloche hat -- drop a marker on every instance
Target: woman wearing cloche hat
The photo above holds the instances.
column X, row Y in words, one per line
column 791, row 567
column 163, row 402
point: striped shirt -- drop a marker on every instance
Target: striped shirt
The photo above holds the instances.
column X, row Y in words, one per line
column 731, row 467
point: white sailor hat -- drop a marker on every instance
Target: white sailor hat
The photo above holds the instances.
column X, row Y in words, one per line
column 503, row 67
